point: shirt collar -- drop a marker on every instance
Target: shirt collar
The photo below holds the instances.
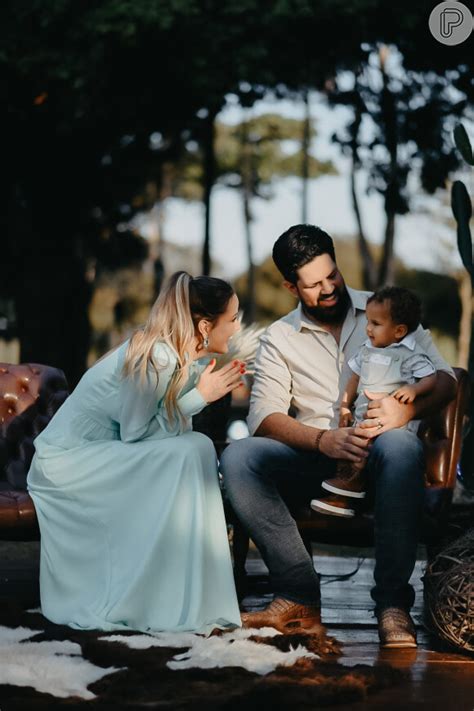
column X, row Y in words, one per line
column 358, row 301
column 409, row 342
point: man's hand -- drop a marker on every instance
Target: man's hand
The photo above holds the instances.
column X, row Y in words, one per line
column 345, row 443
column 384, row 414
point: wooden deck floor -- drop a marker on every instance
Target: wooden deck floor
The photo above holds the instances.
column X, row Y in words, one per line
column 434, row 677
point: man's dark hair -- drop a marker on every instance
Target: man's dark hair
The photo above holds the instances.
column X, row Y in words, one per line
column 298, row 246
column 405, row 306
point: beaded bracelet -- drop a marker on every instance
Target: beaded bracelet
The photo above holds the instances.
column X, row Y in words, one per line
column 317, row 439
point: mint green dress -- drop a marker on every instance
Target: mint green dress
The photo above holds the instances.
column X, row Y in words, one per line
column 133, row 534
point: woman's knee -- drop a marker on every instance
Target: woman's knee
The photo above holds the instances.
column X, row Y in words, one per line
column 193, row 443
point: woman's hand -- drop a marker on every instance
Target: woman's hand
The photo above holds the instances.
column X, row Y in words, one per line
column 214, row 385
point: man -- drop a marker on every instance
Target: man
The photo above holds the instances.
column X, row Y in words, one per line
column 300, row 366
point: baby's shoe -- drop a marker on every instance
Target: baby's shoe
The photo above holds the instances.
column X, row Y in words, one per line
column 334, row 505
column 351, row 485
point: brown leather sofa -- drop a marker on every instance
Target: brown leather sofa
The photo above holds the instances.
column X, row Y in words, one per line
column 442, row 436
column 30, row 394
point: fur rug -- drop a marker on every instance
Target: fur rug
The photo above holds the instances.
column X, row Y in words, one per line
column 46, row 666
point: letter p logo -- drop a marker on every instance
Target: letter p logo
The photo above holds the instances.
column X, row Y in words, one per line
column 449, row 19
column 450, row 22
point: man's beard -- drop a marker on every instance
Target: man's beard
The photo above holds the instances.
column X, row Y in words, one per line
column 329, row 314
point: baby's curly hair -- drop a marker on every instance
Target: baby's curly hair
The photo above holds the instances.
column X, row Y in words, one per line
column 405, row 306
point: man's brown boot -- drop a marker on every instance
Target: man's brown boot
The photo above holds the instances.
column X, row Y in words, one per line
column 285, row 616
column 396, row 628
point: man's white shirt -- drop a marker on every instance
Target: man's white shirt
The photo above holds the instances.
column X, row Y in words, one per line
column 299, row 365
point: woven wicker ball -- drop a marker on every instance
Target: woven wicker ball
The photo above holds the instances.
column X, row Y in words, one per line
column 449, row 592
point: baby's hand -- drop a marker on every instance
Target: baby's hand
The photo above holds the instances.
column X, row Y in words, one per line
column 345, row 417
column 405, row 394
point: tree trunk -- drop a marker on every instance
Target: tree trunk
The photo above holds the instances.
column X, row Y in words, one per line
column 165, row 190
column 392, row 190
column 465, row 295
column 209, row 179
column 369, row 276
column 52, row 314
column 305, row 158
column 368, row 265
column 386, row 269
column 466, row 360
column 247, row 192
column 251, row 306
column 46, row 232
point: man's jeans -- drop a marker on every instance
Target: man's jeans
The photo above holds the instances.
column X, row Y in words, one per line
column 260, row 472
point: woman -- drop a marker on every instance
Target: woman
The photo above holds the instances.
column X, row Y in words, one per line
column 133, row 534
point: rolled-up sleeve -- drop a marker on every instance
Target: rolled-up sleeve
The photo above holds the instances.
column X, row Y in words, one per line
column 425, row 342
column 271, row 391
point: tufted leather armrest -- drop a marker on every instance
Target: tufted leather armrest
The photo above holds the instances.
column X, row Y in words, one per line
column 16, row 510
column 442, row 436
column 30, row 394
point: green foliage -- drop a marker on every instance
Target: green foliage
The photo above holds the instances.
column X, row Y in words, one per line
column 439, row 295
column 254, row 153
column 406, row 112
column 462, row 211
column 461, row 204
column 463, row 143
column 257, row 147
column 88, row 86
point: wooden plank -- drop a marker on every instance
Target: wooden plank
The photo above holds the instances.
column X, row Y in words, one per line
column 344, row 602
column 434, row 677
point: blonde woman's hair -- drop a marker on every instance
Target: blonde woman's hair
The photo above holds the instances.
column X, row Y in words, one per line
column 173, row 320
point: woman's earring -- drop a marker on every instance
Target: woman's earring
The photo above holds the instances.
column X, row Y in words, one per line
column 205, row 342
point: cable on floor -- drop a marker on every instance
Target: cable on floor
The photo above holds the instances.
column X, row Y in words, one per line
column 344, row 576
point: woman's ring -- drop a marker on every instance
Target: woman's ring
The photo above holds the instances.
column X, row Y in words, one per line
column 379, row 423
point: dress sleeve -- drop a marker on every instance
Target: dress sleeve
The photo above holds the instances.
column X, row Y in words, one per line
column 191, row 403
column 139, row 403
column 271, row 390
column 142, row 412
